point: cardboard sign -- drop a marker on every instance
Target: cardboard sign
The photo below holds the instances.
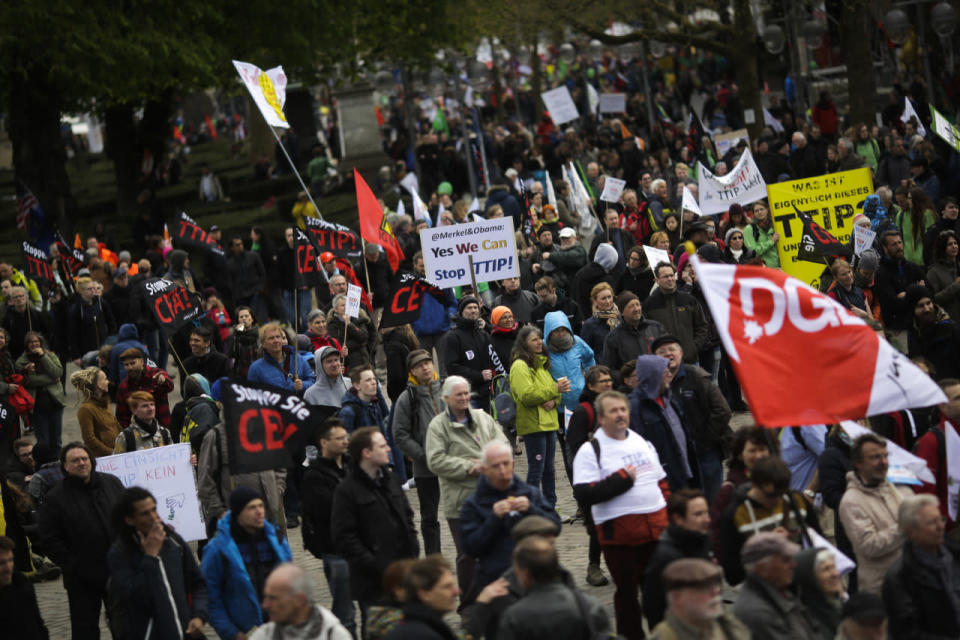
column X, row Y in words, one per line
column 723, row 142
column 743, row 185
column 266, row 426
column 165, row 472
column 339, row 240
column 353, row 300
column 612, row 188
column 831, row 200
column 491, row 243
column 613, row 103
column 862, row 239
column 560, row 105
column 191, row 234
column 172, row 305
column 656, row 256
column 36, row 266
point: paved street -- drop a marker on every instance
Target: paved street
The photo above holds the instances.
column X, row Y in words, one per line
column 572, row 543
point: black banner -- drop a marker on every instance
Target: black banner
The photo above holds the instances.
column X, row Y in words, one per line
column 71, row 257
column 172, row 305
column 191, row 234
column 36, row 266
column 406, row 298
column 338, row 239
column 308, row 262
column 816, row 244
column 267, row 428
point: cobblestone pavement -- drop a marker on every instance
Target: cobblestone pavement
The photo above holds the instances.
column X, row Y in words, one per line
column 572, row 543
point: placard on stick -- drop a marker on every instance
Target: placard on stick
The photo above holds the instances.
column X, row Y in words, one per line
column 353, row 300
column 612, row 188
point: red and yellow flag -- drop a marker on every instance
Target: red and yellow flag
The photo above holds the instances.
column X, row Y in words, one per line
column 373, row 224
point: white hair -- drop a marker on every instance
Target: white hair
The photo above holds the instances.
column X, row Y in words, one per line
column 451, row 382
column 656, row 184
column 295, row 578
column 494, row 447
column 909, row 514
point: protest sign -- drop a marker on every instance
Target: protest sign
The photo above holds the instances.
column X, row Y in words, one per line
column 943, row 128
column 830, row 200
column 910, row 114
column 817, row 244
column 191, row 234
column 900, row 459
column 266, row 426
column 165, row 472
column 491, row 243
column 336, row 238
column 723, row 142
column 71, row 257
column 656, row 256
column 689, row 203
column 353, row 300
column 172, row 305
column 406, row 299
column 862, row 239
column 35, row 265
column 842, row 562
column 268, row 90
column 612, row 188
column 560, row 105
column 613, row 103
column 307, row 263
column 742, row 185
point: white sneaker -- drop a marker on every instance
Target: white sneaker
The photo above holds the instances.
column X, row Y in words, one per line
column 410, row 484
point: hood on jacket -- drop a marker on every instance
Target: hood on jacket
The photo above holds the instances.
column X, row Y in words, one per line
column 325, row 391
column 816, row 601
column 874, row 209
column 196, row 385
column 128, row 331
column 650, row 375
column 554, row 320
column 606, row 256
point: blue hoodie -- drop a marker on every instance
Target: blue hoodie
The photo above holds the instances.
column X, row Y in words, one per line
column 127, row 338
column 570, row 363
column 435, row 317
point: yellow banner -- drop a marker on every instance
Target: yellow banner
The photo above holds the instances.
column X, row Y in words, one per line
column 831, row 200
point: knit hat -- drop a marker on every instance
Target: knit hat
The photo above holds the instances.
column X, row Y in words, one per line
column 195, row 385
column 445, row 189
column 710, row 253
column 916, row 293
column 241, row 497
column 730, row 232
column 764, row 545
column 416, row 357
column 465, row 300
column 869, row 261
column 625, row 298
column 497, row 313
column 606, row 256
column 857, row 218
column 681, row 263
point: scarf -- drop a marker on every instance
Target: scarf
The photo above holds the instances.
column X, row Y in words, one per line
column 560, row 341
column 612, row 316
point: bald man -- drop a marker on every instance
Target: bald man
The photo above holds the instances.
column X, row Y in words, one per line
column 288, row 601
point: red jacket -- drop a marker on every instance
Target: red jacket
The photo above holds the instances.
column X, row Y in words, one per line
column 159, row 390
column 928, row 448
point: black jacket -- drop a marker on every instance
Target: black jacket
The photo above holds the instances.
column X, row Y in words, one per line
column 420, row 622
column 521, row 303
column 19, row 612
column 893, row 277
column 639, row 283
column 88, row 326
column 320, row 480
column 247, row 275
column 18, row 324
column 467, row 351
column 803, row 162
column 570, row 308
column 705, row 411
column 939, row 343
column 75, row 527
column 583, row 422
column 147, row 588
column 648, row 419
column 681, row 315
column 586, row 279
column 212, row 366
column 120, row 300
column 371, row 525
column 380, row 274
column 625, row 343
column 675, row 543
column 918, row 605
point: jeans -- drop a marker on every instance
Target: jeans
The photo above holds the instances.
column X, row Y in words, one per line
column 428, row 495
column 304, row 304
column 337, row 572
column 47, row 427
column 627, row 564
column 541, row 449
column 711, row 473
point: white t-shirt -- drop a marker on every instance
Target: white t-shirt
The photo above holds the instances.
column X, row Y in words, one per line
column 644, row 496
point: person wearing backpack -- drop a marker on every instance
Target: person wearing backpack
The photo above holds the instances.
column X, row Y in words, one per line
column 144, row 431
column 419, row 403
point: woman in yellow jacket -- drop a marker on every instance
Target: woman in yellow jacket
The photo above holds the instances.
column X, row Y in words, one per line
column 537, row 396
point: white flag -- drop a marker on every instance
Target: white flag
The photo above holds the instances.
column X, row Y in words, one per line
column 593, row 98
column 743, row 185
column 910, row 112
column 551, row 194
column 420, row 211
column 953, row 469
column 689, row 202
column 772, row 122
column 401, row 210
column 268, row 90
column 899, row 457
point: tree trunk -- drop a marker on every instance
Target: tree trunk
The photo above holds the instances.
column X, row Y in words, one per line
column 122, row 148
column 39, row 158
column 861, row 83
column 745, row 62
column 155, row 126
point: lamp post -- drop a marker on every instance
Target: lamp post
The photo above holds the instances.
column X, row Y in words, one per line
column 944, row 22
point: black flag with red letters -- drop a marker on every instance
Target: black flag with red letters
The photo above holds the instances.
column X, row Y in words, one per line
column 406, row 298
column 36, row 266
column 308, row 265
column 191, row 234
column 172, row 305
column 817, row 244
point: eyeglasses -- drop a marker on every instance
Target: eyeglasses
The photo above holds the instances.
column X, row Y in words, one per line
column 604, row 381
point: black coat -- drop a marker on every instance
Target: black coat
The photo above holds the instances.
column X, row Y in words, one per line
column 88, row 326
column 18, row 324
column 918, row 605
column 420, row 622
column 378, row 274
column 639, row 283
column 570, row 308
column 624, row 343
column 371, row 525
column 467, row 351
column 321, row 479
column 939, row 343
column 705, row 411
column 212, row 366
column 75, row 528
column 675, row 543
column 120, row 300
column 892, row 278
column 247, row 275
column 19, row 612
column 586, row 279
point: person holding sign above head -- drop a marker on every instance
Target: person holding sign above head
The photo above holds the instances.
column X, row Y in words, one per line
column 360, row 332
column 280, row 365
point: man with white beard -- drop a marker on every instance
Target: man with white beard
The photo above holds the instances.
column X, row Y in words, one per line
column 695, row 603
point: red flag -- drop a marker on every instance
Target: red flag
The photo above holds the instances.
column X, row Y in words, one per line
column 802, row 358
column 212, row 129
column 373, row 224
column 347, row 270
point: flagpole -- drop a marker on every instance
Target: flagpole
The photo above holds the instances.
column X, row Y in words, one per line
column 366, row 271
column 295, row 171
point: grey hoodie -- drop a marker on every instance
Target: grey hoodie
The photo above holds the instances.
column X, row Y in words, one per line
column 325, row 391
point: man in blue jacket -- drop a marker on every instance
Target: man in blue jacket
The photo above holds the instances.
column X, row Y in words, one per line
column 501, row 500
column 280, row 366
column 434, row 320
column 236, row 564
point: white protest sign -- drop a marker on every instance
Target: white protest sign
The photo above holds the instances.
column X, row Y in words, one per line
column 353, row 300
column 613, row 103
column 491, row 244
column 689, row 203
column 725, row 141
column 560, row 105
column 268, row 90
column 953, row 469
column 743, row 185
column 910, row 113
column 900, row 458
column 862, row 238
column 843, row 563
column 612, row 188
column 943, row 128
column 165, row 472
column 656, row 256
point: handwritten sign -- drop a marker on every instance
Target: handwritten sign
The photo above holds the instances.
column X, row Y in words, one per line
column 165, row 472
column 862, row 239
column 490, row 242
column 560, row 105
column 656, row 256
column 613, row 103
column 612, row 188
column 353, row 300
column 743, row 185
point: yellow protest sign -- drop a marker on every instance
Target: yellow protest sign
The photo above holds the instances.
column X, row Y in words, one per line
column 831, row 200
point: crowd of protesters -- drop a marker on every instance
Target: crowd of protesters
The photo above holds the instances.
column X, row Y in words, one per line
column 591, row 350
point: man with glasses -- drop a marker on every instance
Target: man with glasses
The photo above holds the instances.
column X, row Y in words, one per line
column 21, row 318
column 17, row 279
column 679, row 312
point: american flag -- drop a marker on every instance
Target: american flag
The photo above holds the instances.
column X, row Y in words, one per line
column 26, row 203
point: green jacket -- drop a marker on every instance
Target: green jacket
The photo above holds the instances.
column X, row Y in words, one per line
column 761, row 241
column 530, row 389
column 452, row 448
column 46, row 376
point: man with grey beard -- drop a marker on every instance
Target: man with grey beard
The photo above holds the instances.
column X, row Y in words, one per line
column 694, row 593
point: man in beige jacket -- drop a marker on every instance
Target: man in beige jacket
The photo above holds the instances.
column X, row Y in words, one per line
column 868, row 511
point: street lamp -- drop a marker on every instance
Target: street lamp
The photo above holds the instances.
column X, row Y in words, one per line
column 657, row 49
column 567, row 53
column 897, row 25
column 813, row 32
column 437, row 81
column 773, row 39
column 944, row 19
column 383, row 82
column 596, row 51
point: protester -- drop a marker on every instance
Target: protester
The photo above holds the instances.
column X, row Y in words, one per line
column 144, row 431
column 503, row 332
column 601, row 268
column 605, row 317
column 760, row 237
column 821, row 589
column 98, row 426
column 281, row 366
column 693, row 590
column 43, row 374
column 331, row 385
column 932, row 335
column 203, row 359
column 431, row 592
column 469, row 353
column 142, row 377
column 19, row 611
column 633, row 337
column 243, row 347
column 316, row 320
column 360, row 332
column 289, row 602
